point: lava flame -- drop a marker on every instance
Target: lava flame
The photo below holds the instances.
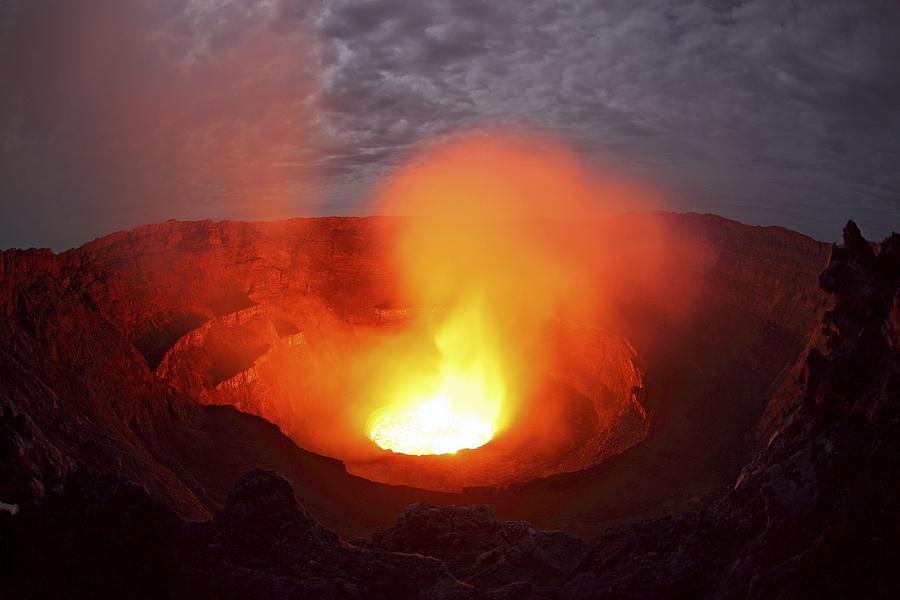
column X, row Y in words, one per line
column 458, row 406
column 482, row 278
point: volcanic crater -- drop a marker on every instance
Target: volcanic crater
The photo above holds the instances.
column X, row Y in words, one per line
column 269, row 318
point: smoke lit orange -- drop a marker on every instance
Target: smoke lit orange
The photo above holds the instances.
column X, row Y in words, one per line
column 487, row 280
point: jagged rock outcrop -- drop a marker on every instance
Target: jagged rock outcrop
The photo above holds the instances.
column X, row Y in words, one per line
column 815, row 513
column 511, row 559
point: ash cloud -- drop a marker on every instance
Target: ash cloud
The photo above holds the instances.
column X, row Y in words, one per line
column 764, row 111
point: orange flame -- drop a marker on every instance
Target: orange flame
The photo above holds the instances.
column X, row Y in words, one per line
column 455, row 401
column 485, row 276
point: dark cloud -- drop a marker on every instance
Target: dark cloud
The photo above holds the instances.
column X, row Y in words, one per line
column 766, row 111
column 118, row 113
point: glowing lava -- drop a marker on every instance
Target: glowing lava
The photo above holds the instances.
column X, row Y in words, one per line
column 455, row 394
column 432, row 428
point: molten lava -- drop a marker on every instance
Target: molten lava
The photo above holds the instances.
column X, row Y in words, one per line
column 454, row 399
column 434, row 427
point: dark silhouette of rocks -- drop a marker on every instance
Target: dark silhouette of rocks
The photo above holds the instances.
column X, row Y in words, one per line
column 507, row 558
column 101, row 536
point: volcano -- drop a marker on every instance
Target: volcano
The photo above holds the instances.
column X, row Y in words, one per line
column 200, row 409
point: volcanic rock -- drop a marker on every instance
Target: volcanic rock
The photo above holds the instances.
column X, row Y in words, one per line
column 482, row 551
column 815, row 513
column 102, row 537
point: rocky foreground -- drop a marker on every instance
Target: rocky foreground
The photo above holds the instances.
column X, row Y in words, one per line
column 816, row 513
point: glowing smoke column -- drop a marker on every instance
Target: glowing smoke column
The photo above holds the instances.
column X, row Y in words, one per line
column 476, row 259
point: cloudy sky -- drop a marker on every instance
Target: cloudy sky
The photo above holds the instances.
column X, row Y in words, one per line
column 115, row 114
